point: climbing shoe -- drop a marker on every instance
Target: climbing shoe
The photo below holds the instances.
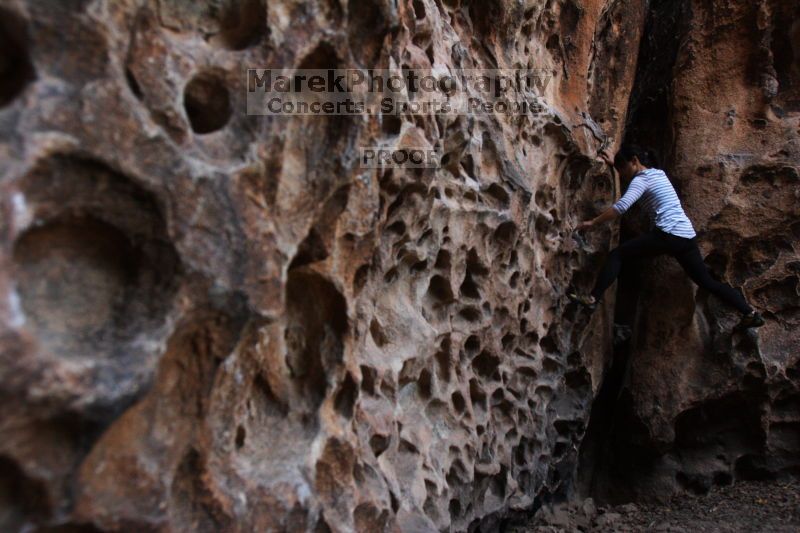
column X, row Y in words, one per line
column 586, row 301
column 753, row 320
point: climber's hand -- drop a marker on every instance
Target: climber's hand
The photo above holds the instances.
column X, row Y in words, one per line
column 606, row 156
column 587, row 224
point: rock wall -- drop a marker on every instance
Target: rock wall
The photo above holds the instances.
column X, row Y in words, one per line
column 703, row 405
column 214, row 321
column 219, row 322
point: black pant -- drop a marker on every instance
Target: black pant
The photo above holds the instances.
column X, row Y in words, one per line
column 684, row 250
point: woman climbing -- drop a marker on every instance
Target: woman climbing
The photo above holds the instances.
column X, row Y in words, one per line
column 672, row 232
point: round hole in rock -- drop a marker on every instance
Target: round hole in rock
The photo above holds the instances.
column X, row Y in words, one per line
column 240, row 436
column 207, row 102
column 391, row 124
column 419, row 9
column 85, row 288
column 16, row 69
column 97, row 274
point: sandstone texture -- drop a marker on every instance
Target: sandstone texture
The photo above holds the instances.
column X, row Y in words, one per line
column 211, row 321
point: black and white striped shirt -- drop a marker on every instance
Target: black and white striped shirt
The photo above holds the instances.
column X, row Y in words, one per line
column 660, row 201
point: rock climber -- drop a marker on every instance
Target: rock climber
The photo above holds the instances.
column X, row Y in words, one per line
column 672, row 233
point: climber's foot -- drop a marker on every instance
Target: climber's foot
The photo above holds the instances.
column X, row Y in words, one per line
column 753, row 320
column 586, row 300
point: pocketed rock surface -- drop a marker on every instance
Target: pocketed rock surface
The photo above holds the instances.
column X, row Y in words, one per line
column 211, row 321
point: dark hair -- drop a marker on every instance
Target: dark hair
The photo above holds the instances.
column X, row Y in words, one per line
column 628, row 151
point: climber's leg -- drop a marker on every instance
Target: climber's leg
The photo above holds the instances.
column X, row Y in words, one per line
column 692, row 262
column 646, row 245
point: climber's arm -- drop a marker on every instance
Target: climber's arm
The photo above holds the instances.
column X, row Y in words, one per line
column 606, row 216
column 634, row 192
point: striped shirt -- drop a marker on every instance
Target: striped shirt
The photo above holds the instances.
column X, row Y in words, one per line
column 660, row 201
